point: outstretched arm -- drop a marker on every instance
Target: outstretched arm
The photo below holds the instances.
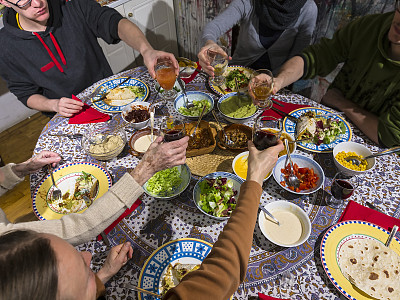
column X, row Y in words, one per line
column 291, row 71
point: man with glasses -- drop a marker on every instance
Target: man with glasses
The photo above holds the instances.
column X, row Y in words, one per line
column 49, row 50
column 367, row 88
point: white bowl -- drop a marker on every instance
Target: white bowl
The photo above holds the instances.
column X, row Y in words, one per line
column 192, row 95
column 302, row 162
column 128, row 108
column 244, row 155
column 237, row 182
column 281, row 205
column 358, row 149
column 231, row 119
column 185, row 175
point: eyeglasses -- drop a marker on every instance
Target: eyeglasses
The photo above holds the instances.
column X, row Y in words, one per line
column 23, row 4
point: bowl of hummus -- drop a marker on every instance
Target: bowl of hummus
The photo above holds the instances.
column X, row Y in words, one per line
column 237, row 109
column 294, row 224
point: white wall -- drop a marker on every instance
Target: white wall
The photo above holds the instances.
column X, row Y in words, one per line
column 12, row 111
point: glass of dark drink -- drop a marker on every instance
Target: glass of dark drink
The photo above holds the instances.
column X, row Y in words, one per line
column 172, row 129
column 266, row 132
column 342, row 188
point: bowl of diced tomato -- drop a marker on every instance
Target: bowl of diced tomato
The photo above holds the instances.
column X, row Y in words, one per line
column 307, row 170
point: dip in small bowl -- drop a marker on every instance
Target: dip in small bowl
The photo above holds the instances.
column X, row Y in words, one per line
column 137, row 114
column 237, row 110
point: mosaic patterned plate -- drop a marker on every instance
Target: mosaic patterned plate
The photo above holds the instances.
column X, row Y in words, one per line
column 117, row 106
column 185, row 251
column 290, row 127
column 336, row 237
column 65, row 177
column 217, row 89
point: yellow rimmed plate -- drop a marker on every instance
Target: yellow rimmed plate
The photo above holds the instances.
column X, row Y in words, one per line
column 338, row 235
column 222, row 89
column 65, row 177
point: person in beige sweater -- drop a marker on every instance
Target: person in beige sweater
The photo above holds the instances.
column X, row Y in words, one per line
column 79, row 228
column 67, row 274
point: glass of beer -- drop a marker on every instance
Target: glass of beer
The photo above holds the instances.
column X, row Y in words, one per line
column 218, row 58
column 166, row 77
column 260, row 88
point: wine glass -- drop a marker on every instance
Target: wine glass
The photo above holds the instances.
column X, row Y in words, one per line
column 219, row 61
column 166, row 77
column 260, row 88
column 266, row 132
column 172, row 129
column 342, row 187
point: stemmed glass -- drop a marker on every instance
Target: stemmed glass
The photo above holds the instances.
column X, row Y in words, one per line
column 219, row 61
column 172, row 129
column 166, row 77
column 260, row 88
column 342, row 187
column 266, row 132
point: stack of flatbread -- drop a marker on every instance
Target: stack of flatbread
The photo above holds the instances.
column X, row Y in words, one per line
column 372, row 267
column 121, row 94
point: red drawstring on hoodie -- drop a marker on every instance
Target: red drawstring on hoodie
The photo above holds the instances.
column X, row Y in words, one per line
column 53, row 58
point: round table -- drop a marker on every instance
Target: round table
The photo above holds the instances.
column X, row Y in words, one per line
column 156, row 222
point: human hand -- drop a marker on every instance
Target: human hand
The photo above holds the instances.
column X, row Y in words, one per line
column 116, row 259
column 67, row 107
column 36, row 163
column 204, row 59
column 262, row 162
column 151, row 56
column 160, row 156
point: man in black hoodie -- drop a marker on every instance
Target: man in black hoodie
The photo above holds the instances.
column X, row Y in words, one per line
column 49, row 50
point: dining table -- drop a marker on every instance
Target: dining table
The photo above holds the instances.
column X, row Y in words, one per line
column 155, row 222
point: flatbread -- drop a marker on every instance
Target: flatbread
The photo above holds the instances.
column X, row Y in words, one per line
column 174, row 275
column 120, row 94
column 372, row 267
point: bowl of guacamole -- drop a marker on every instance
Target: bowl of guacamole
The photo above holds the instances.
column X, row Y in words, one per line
column 237, row 109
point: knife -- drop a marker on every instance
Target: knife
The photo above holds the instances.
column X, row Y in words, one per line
column 282, row 113
column 102, row 97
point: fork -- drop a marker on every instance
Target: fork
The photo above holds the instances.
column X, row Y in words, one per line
column 56, row 192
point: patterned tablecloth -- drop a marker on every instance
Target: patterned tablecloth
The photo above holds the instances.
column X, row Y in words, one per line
column 156, row 222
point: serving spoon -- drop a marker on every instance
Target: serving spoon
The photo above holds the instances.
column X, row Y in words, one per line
column 292, row 178
column 198, row 121
column 228, row 142
column 357, row 161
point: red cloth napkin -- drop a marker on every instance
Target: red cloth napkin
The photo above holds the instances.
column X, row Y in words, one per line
column 87, row 115
column 127, row 212
column 287, row 108
column 265, row 297
column 189, row 79
column 355, row 211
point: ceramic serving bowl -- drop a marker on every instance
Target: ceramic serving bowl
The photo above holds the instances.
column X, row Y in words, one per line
column 236, row 183
column 193, row 96
column 302, row 162
column 357, row 148
column 185, row 175
column 233, row 119
column 239, row 166
column 284, row 211
column 134, row 106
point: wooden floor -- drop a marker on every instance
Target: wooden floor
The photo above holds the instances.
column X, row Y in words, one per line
column 16, row 145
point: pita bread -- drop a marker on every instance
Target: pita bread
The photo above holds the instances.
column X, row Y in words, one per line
column 372, row 267
column 120, row 94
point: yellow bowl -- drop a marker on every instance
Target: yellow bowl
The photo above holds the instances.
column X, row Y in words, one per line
column 239, row 165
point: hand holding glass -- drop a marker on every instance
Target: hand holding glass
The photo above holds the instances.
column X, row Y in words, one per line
column 172, row 129
column 266, row 132
column 219, row 61
column 260, row 88
column 166, row 77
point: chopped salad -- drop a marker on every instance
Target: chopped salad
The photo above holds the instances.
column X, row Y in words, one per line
column 195, row 110
column 164, row 182
column 241, row 78
column 138, row 90
column 217, row 196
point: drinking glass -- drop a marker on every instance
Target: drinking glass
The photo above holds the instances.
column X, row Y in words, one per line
column 342, row 187
column 172, row 129
column 219, row 61
column 260, row 88
column 166, row 77
column 266, row 132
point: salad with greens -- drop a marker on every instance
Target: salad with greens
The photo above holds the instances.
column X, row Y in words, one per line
column 164, row 182
column 138, row 90
column 241, row 78
column 195, row 111
column 327, row 130
column 217, row 196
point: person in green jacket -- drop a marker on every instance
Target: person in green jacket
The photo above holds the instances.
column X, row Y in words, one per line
column 367, row 88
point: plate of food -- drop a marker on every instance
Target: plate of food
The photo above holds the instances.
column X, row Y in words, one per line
column 166, row 266
column 81, row 183
column 358, row 263
column 324, row 133
column 243, row 76
column 118, row 96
